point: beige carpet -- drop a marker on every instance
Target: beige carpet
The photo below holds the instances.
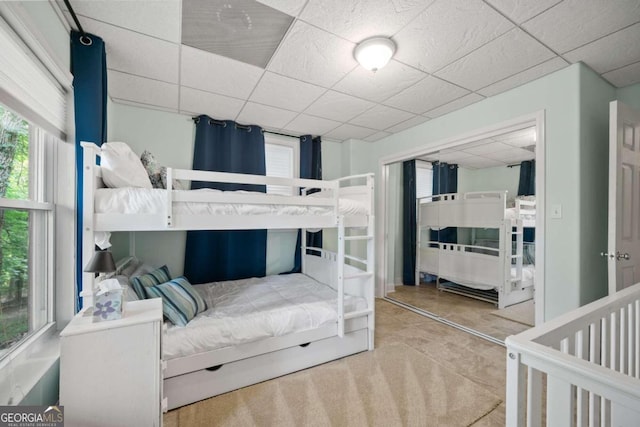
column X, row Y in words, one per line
column 521, row 313
column 392, row 385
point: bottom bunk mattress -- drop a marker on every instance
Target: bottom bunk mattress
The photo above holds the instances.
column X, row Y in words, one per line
column 246, row 310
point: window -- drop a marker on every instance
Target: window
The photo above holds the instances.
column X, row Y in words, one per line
column 25, row 231
column 424, row 179
column 282, row 160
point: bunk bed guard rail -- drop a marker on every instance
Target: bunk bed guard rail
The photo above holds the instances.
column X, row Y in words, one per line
column 590, row 359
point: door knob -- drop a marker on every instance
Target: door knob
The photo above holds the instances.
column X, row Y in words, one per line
column 607, row 255
column 620, row 256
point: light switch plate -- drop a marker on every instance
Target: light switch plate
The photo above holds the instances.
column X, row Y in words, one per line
column 556, row 211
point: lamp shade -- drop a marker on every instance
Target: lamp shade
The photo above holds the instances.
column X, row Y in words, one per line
column 374, row 53
column 101, row 262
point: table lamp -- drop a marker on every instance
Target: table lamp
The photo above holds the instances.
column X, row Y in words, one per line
column 101, row 262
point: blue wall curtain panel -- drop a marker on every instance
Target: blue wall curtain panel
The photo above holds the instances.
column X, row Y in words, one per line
column 225, row 146
column 527, row 187
column 409, row 222
column 445, row 181
column 89, row 69
column 310, row 168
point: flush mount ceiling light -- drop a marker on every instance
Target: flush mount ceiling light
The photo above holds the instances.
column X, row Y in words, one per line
column 374, row 53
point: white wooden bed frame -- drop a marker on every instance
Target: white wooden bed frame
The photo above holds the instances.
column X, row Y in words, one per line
column 590, row 360
column 199, row 376
column 456, row 262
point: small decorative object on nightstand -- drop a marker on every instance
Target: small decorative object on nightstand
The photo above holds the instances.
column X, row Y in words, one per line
column 107, row 297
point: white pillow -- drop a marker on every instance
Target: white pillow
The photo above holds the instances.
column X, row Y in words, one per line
column 121, row 167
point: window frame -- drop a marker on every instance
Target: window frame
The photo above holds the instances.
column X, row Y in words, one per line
column 287, row 141
column 41, row 240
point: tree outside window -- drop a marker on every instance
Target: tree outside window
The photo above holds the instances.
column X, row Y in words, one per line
column 14, row 230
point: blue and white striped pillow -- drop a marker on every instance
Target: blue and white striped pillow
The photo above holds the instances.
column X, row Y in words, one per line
column 180, row 301
column 160, row 275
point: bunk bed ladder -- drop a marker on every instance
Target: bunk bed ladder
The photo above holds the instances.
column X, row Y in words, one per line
column 367, row 274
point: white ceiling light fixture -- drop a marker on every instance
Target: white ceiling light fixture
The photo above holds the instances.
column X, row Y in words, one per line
column 374, row 53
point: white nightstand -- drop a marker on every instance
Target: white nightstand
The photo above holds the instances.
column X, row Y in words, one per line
column 111, row 371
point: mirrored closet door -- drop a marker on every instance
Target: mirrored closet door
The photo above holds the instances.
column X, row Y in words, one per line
column 461, row 227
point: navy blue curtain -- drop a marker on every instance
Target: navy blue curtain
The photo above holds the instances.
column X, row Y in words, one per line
column 226, row 255
column 89, row 69
column 445, row 181
column 310, row 168
column 527, row 187
column 409, row 222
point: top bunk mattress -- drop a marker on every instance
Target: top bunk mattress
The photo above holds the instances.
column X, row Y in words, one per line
column 246, row 310
column 129, row 200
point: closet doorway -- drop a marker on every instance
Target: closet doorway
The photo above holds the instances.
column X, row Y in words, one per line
column 464, row 221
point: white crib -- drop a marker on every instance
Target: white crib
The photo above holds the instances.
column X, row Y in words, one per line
column 584, row 364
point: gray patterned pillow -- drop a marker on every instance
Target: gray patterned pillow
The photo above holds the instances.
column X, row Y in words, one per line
column 177, row 185
column 153, row 169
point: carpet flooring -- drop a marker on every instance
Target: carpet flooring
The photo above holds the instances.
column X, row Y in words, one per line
column 392, row 385
column 421, row 373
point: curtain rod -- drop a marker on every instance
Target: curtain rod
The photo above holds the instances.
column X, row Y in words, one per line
column 196, row 120
column 84, row 38
column 514, row 165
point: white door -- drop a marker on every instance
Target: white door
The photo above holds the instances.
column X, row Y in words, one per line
column 624, row 197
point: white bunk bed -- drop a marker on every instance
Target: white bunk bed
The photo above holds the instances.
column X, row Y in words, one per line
column 579, row 369
column 494, row 274
column 342, row 284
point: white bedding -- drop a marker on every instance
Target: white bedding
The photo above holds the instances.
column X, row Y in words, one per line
column 241, row 311
column 129, row 200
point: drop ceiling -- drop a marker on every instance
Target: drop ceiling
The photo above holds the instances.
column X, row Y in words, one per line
column 288, row 65
column 502, row 150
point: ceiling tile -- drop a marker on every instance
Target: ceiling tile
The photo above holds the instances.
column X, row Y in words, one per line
column 265, row 116
column 135, row 53
column 381, row 117
column 219, row 107
column 407, row 124
column 214, row 73
column 425, row 95
column 290, row 7
column 285, row 92
column 244, row 30
column 377, row 136
column 348, row 131
column 380, row 85
column 480, row 163
column 454, row 105
column 313, row 55
column 357, row 20
column 305, row 124
column 522, row 10
column 157, row 18
column 142, row 90
column 611, row 52
column 509, row 54
column 455, row 157
column 525, row 76
column 490, row 147
column 573, row 23
column 624, row 76
column 520, row 138
column 447, row 31
column 512, row 155
column 338, row 106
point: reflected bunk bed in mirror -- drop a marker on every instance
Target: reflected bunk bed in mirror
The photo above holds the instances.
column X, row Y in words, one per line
column 489, row 270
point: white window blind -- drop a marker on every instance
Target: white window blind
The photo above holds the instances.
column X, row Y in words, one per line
column 27, row 87
column 424, row 179
column 279, row 163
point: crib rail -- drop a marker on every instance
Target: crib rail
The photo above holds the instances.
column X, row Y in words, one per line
column 589, row 360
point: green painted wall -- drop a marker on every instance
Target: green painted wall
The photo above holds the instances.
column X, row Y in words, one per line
column 630, row 95
column 558, row 95
column 489, row 179
column 170, row 138
column 595, row 95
